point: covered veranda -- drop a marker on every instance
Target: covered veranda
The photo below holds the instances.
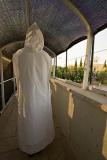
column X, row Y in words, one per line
column 80, row 115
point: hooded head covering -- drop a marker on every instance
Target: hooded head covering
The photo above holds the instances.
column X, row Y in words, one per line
column 34, row 38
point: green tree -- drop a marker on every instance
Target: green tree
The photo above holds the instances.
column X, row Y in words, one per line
column 75, row 64
column 102, row 76
column 105, row 65
column 73, row 73
column 81, row 62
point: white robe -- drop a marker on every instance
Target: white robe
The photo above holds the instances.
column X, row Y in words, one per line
column 32, row 71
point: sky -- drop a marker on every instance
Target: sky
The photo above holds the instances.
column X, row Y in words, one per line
column 79, row 50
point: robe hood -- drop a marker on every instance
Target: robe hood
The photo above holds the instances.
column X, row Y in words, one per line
column 34, row 38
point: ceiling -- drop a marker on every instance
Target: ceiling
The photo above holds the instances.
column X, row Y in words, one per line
column 60, row 26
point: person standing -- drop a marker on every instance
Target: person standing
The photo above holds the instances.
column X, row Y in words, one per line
column 32, row 71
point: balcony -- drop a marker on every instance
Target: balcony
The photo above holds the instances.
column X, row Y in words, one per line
column 80, row 119
column 80, row 115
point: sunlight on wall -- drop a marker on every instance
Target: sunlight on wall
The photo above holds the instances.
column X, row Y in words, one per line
column 70, row 106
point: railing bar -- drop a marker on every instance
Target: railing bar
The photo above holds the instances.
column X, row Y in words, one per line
column 7, row 80
column 2, row 79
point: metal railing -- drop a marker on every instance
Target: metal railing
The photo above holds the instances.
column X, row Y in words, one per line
column 4, row 100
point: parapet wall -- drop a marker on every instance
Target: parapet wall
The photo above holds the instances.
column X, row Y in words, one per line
column 82, row 116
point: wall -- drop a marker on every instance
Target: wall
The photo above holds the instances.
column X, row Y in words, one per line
column 82, row 116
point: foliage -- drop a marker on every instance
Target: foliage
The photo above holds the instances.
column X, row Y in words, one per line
column 76, row 74
column 72, row 73
column 105, row 65
column 102, row 76
column 81, row 62
column 61, row 72
column 75, row 64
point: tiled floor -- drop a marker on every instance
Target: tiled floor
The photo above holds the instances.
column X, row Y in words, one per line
column 8, row 140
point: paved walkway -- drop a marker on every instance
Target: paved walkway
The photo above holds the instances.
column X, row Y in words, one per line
column 8, row 140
